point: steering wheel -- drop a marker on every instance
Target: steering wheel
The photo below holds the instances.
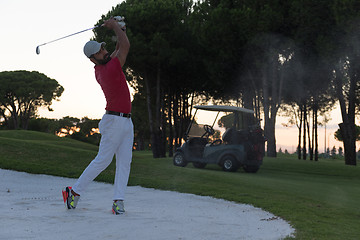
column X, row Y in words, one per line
column 209, row 129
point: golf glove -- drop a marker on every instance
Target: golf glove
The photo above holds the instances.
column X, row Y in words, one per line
column 120, row 20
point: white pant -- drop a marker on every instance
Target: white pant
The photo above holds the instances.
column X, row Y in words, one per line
column 117, row 136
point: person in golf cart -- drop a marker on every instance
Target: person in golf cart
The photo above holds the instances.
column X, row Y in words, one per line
column 241, row 145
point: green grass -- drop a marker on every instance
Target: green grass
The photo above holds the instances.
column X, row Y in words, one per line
column 319, row 199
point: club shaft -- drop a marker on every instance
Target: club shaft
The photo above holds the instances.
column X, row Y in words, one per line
column 68, row 36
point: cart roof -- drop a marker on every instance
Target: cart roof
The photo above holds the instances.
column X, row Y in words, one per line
column 224, row 108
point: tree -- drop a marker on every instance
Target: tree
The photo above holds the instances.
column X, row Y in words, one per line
column 338, row 136
column 163, row 60
column 340, row 151
column 272, row 86
column 22, row 93
column 327, row 151
column 67, row 126
column 310, row 26
column 44, row 125
column 84, row 129
column 261, row 54
column 242, row 54
column 333, row 152
column 88, row 131
column 347, row 72
column 141, row 121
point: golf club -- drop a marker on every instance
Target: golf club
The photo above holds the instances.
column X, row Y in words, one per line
column 38, row 47
column 118, row 18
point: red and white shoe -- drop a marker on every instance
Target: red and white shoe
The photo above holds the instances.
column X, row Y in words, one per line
column 118, row 207
column 70, row 200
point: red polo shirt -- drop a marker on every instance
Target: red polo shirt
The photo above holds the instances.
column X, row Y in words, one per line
column 113, row 83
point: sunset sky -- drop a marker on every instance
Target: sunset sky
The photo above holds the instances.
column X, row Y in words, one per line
column 27, row 24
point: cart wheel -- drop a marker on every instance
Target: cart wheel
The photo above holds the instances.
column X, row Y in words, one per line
column 179, row 159
column 229, row 163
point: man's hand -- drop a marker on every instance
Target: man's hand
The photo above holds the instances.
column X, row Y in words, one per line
column 114, row 22
column 111, row 23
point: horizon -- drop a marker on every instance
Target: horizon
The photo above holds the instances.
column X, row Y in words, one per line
column 284, row 135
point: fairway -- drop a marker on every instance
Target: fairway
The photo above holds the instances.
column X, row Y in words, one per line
column 319, row 199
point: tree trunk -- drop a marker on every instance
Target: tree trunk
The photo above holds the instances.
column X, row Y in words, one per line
column 272, row 101
column 186, row 112
column 176, row 121
column 162, row 125
column 248, row 99
column 271, row 139
column 304, row 136
column 151, row 121
column 15, row 119
column 269, row 125
column 349, row 143
column 266, row 110
column 347, row 127
column 26, row 115
column 141, row 144
column 316, row 133
column 158, row 127
column 157, row 117
column 299, row 137
column 181, row 119
column 14, row 115
column 171, row 134
column 309, row 140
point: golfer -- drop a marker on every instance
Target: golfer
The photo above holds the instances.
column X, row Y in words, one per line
column 116, row 127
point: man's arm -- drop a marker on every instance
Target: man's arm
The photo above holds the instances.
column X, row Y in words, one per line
column 122, row 44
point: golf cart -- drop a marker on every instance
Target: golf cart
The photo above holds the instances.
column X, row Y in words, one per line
column 241, row 145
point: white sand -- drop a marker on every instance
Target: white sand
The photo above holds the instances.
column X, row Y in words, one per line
column 31, row 207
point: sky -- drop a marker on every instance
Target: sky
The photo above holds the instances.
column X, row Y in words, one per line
column 27, row 24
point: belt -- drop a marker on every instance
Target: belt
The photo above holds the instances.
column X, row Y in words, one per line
column 125, row 115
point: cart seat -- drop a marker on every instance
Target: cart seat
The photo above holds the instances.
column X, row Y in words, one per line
column 232, row 136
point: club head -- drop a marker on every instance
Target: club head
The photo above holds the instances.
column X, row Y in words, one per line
column 38, row 50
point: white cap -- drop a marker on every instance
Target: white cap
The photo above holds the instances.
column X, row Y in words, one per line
column 92, row 47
